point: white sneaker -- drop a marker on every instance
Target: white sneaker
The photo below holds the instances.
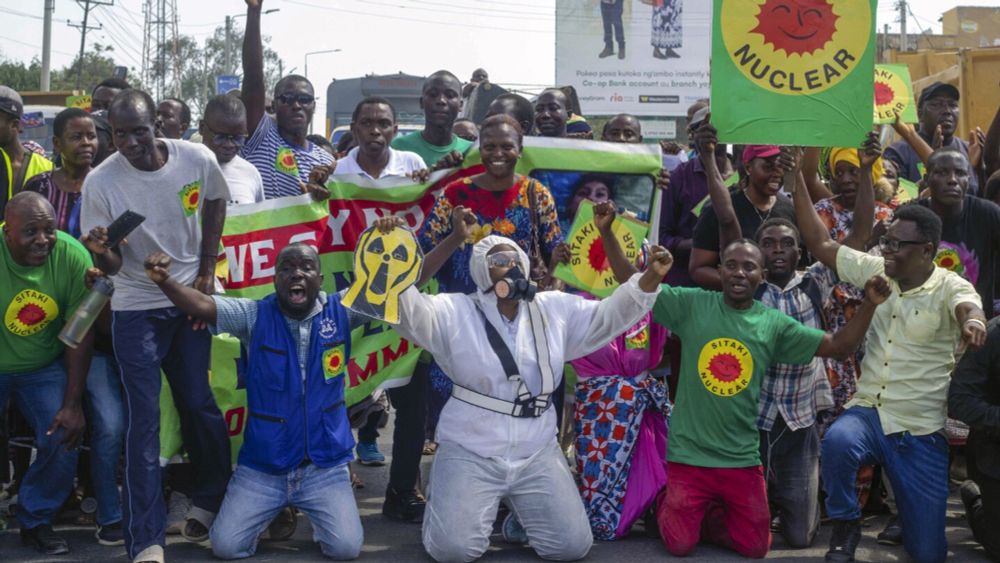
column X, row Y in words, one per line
column 177, row 511
column 152, row 554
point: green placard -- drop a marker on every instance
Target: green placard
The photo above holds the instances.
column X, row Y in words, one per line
column 589, row 269
column 793, row 73
column 894, row 94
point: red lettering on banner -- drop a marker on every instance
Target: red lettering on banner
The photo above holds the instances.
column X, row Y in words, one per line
column 357, row 375
column 238, row 416
column 251, row 255
column 350, row 218
column 389, row 356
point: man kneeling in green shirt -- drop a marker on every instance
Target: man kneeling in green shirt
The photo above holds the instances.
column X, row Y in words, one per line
column 728, row 341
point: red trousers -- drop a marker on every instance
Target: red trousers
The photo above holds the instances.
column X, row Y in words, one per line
column 724, row 506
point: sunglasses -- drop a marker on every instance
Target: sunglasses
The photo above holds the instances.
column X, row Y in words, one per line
column 223, row 138
column 302, row 99
column 502, row 259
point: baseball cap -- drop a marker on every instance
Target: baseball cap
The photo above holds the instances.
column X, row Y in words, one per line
column 760, row 151
column 10, row 102
column 937, row 89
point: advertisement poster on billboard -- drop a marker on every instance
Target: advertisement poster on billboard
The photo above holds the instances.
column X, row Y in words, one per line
column 644, row 57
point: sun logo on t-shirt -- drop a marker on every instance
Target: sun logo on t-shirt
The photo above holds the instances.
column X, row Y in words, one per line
column 333, row 362
column 190, row 195
column 29, row 312
column 286, row 163
column 725, row 367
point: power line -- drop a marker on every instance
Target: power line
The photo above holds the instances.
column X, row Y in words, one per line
column 34, row 45
column 414, row 20
column 22, row 14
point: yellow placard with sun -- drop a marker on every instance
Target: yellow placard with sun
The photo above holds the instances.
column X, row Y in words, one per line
column 588, row 268
column 796, row 47
column 190, row 195
column 725, row 367
column 894, row 94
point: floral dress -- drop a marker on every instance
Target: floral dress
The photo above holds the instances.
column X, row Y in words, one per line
column 667, row 24
column 506, row 213
column 621, row 429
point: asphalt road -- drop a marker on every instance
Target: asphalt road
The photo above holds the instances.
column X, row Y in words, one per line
column 386, row 540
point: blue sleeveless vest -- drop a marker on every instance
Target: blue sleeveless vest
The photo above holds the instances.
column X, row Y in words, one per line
column 293, row 421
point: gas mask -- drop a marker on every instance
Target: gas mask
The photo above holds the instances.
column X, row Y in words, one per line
column 515, row 286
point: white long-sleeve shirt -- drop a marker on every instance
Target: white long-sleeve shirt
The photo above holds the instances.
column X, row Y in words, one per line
column 450, row 327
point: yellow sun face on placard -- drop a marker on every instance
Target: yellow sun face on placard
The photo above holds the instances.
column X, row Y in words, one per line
column 725, row 367
column 891, row 95
column 796, row 47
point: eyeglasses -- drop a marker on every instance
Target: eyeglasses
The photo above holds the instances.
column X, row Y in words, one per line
column 302, row 99
column 502, row 259
column 892, row 245
column 223, row 138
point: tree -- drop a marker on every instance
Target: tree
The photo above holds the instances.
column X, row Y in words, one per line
column 198, row 65
column 20, row 76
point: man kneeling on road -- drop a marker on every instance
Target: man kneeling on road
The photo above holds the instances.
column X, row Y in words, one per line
column 298, row 340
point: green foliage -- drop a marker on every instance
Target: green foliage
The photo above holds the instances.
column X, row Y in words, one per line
column 198, row 65
column 98, row 64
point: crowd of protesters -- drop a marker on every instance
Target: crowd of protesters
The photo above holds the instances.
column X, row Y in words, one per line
column 809, row 340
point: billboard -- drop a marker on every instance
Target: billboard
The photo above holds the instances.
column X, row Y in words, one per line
column 644, row 57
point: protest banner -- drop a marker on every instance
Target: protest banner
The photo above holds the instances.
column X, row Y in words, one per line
column 643, row 81
column 255, row 233
column 894, row 94
column 792, row 72
column 589, row 268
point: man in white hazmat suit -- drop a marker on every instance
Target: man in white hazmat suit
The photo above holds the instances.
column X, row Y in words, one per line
column 498, row 433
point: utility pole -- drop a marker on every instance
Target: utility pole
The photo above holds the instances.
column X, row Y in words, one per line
column 47, row 45
column 83, row 32
column 901, row 5
column 229, row 39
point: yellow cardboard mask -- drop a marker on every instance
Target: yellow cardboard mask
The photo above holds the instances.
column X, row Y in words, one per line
column 384, row 266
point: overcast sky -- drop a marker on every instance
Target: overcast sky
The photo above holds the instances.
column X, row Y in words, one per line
column 514, row 40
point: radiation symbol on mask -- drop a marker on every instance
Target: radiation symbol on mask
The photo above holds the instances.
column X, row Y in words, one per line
column 796, row 47
column 385, row 264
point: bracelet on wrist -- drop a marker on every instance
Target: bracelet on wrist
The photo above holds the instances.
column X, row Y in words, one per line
column 980, row 322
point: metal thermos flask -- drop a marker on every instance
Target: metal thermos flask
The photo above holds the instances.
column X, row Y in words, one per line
column 85, row 315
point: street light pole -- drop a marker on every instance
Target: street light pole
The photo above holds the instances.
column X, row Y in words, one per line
column 306, row 68
column 229, row 37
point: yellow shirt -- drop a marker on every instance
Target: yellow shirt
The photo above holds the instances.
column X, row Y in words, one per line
column 910, row 347
column 36, row 164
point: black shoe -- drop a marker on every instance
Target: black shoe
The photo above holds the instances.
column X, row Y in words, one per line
column 607, row 52
column 892, row 534
column 404, row 506
column 971, row 496
column 283, row 526
column 621, row 52
column 844, row 542
column 44, row 540
column 111, row 535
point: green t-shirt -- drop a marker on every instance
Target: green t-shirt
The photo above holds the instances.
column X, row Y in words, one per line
column 36, row 301
column 414, row 142
column 725, row 354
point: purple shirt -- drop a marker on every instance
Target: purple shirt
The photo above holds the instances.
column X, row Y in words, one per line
column 688, row 187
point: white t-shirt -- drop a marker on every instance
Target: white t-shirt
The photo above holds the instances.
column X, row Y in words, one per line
column 245, row 185
column 171, row 199
column 400, row 163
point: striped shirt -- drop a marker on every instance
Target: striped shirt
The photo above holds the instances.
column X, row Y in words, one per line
column 792, row 389
column 280, row 164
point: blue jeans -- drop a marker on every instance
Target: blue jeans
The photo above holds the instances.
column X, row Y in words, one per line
column 106, row 424
column 917, row 467
column 791, row 468
column 254, row 498
column 144, row 342
column 611, row 17
column 49, row 480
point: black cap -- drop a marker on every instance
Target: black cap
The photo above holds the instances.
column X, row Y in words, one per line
column 937, row 89
column 10, row 102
